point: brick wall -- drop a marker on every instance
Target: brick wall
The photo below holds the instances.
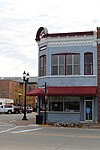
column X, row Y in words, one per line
column 9, row 87
column 98, row 67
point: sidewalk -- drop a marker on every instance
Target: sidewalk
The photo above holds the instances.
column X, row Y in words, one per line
column 24, row 122
column 19, row 122
column 93, row 126
column 33, row 121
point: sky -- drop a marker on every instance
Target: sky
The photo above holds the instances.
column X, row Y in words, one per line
column 20, row 20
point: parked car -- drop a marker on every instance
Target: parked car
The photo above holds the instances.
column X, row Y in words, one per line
column 6, row 109
column 28, row 109
column 18, row 109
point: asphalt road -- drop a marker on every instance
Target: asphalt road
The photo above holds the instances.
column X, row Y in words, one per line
column 35, row 137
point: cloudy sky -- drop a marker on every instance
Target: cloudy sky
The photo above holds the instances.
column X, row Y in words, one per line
column 20, row 20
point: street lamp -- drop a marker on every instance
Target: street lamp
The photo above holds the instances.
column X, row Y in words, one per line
column 25, row 79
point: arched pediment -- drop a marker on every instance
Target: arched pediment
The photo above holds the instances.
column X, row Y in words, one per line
column 40, row 33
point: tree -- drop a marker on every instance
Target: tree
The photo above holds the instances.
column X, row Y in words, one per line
column 18, row 94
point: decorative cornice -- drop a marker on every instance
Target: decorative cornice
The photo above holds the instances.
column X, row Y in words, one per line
column 59, row 41
column 67, row 42
column 77, row 43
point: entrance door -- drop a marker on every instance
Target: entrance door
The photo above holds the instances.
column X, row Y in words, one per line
column 88, row 110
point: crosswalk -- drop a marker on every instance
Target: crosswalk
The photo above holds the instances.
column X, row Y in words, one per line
column 29, row 130
column 10, row 128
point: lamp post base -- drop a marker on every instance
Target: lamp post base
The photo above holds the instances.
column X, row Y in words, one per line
column 24, row 118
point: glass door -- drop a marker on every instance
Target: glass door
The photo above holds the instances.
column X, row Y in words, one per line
column 88, row 110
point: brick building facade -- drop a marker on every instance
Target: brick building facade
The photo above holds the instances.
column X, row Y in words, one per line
column 7, row 88
column 98, row 69
column 13, row 88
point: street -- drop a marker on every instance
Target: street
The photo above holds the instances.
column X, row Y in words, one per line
column 39, row 137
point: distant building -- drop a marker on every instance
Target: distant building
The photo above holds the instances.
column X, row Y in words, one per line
column 13, row 88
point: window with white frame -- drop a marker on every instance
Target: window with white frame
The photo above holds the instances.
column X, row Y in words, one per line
column 73, row 64
column 58, row 62
column 66, row 64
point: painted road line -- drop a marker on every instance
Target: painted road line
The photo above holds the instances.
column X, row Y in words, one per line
column 90, row 136
column 22, row 131
column 8, row 129
column 34, row 125
column 6, row 125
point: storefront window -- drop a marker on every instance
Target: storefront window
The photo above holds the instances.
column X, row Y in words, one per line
column 64, row 103
column 71, row 104
column 55, row 103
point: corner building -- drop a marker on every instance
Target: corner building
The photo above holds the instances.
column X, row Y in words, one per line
column 69, row 63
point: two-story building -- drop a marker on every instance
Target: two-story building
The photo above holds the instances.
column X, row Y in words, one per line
column 69, row 65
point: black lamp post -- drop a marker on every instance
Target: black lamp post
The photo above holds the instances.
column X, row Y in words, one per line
column 25, row 79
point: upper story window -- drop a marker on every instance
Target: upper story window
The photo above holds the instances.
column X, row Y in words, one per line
column 66, row 64
column 3, row 92
column 58, row 64
column 42, row 71
column 73, row 64
column 88, row 63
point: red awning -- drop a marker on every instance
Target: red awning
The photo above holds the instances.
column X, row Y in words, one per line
column 78, row 91
column 36, row 92
column 65, row 91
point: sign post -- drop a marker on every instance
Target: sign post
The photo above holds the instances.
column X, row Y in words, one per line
column 45, row 117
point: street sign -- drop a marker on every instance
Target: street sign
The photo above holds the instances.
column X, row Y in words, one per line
column 87, row 110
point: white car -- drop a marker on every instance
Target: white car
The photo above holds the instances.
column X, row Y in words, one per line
column 29, row 109
column 6, row 109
